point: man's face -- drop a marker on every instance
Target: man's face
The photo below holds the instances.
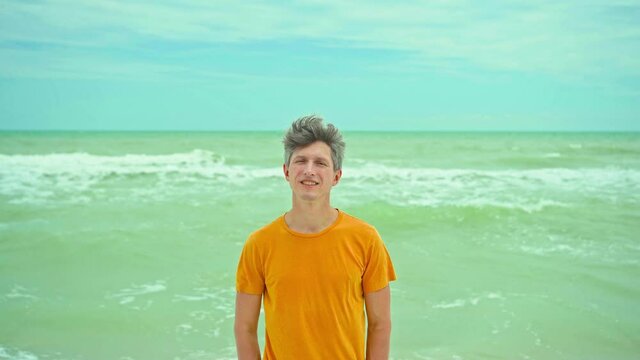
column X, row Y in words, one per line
column 310, row 172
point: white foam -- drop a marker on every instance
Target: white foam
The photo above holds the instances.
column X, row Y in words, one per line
column 38, row 178
column 529, row 190
column 555, row 249
column 473, row 301
column 19, row 292
column 200, row 315
column 15, row 354
column 129, row 295
column 448, row 305
column 81, row 177
column 185, row 329
column 220, row 295
column 192, row 298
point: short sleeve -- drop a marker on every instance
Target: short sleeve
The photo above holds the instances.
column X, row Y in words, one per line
column 379, row 269
column 250, row 274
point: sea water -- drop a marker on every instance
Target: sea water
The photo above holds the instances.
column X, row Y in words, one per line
column 506, row 245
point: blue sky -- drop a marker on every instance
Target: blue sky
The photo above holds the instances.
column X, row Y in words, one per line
column 363, row 65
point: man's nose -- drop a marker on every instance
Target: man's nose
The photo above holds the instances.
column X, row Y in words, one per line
column 308, row 168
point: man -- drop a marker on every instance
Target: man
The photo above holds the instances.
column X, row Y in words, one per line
column 315, row 266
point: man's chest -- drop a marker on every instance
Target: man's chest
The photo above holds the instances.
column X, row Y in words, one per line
column 332, row 267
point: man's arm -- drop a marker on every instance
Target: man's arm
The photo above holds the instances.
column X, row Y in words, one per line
column 378, row 305
column 246, row 326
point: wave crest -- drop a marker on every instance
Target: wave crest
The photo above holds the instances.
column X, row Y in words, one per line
column 78, row 176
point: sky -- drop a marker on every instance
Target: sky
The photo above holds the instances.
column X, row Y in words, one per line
column 534, row 65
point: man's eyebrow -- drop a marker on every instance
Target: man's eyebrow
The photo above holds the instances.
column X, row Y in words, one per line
column 319, row 157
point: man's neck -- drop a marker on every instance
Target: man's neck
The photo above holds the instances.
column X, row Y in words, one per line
column 310, row 218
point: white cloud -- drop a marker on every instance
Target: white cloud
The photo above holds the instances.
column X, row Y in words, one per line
column 566, row 39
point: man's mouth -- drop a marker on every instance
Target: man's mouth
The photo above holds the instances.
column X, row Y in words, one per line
column 309, row 182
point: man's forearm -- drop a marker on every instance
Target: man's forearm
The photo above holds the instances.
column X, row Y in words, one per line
column 247, row 345
column 378, row 338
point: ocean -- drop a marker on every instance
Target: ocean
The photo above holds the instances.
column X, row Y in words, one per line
column 506, row 245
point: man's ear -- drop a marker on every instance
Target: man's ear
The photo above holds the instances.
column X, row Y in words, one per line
column 285, row 170
column 336, row 177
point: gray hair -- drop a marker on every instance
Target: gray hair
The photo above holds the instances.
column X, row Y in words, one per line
column 309, row 129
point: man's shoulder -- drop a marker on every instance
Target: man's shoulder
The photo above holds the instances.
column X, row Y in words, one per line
column 266, row 230
column 353, row 223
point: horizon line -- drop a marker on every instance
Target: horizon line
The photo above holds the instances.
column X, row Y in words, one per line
column 282, row 130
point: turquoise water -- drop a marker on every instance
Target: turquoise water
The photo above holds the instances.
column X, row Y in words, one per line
column 511, row 246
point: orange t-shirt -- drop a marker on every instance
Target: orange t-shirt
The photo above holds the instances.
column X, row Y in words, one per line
column 313, row 286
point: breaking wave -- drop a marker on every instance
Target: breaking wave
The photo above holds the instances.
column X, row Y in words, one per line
column 63, row 176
